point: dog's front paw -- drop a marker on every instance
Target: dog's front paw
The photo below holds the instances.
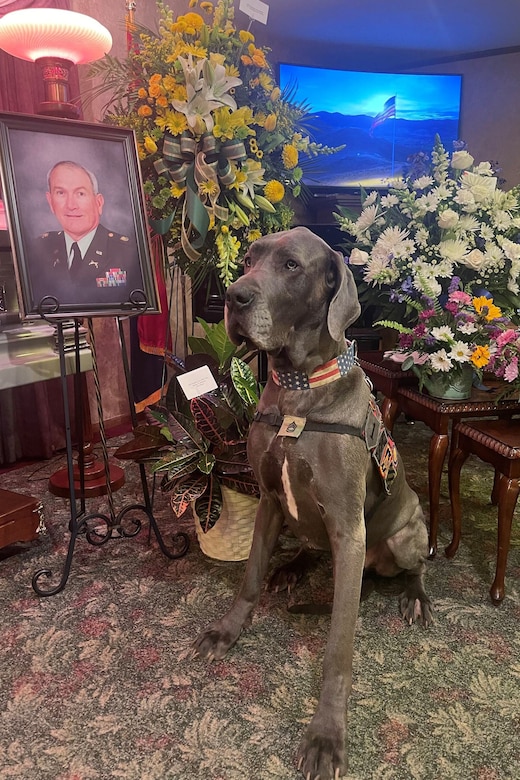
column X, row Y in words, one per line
column 322, row 756
column 415, row 608
column 213, row 643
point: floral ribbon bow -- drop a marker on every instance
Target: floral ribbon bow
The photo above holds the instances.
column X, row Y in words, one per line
column 194, row 164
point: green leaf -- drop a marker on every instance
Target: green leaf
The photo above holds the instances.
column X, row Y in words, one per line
column 244, row 382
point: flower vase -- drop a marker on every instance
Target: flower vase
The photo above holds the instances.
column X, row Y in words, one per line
column 451, row 386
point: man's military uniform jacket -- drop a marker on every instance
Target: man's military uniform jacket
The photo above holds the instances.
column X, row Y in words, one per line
column 107, row 273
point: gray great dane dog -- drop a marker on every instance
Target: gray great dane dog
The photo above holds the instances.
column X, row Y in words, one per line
column 315, row 469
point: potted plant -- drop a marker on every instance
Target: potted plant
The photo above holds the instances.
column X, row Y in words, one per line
column 198, row 447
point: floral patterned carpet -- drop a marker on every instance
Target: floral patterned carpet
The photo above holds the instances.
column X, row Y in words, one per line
column 96, row 682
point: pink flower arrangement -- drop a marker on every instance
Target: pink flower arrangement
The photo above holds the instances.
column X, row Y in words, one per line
column 505, row 356
column 458, row 335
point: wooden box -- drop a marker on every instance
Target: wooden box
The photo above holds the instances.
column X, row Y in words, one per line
column 21, row 518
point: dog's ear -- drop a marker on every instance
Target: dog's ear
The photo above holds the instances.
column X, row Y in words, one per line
column 344, row 307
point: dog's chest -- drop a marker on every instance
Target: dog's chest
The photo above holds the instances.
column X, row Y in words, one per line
column 286, row 472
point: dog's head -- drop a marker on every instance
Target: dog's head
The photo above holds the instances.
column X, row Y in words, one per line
column 296, row 295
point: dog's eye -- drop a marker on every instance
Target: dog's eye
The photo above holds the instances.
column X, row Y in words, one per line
column 291, row 265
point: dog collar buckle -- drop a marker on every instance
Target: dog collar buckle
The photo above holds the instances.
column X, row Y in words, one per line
column 292, row 426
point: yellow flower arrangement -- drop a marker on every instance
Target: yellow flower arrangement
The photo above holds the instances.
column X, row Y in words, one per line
column 221, row 148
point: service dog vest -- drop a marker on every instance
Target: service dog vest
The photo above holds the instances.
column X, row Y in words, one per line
column 375, row 435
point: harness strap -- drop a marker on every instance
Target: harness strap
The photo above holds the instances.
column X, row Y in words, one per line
column 276, row 420
column 378, row 441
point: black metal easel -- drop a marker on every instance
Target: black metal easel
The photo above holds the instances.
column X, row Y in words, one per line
column 97, row 527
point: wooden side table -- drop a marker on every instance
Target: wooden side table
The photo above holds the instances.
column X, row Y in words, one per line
column 496, row 442
column 439, row 415
column 386, row 377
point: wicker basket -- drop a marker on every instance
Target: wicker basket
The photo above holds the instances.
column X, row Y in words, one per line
column 231, row 536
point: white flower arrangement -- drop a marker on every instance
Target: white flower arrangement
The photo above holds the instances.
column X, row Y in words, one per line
column 446, row 218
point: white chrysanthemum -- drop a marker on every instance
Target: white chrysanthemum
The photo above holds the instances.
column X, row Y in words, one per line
column 427, row 203
column 468, row 223
column 460, row 352
column 466, row 200
column 422, row 182
column 422, row 236
column 365, row 220
column 391, row 240
column 387, row 201
column 487, row 232
column 453, row 249
column 370, row 199
column 501, row 220
column 440, row 361
column 443, row 333
column 380, row 270
column 493, row 255
column 510, row 248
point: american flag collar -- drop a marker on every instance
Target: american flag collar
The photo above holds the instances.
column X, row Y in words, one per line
column 323, row 375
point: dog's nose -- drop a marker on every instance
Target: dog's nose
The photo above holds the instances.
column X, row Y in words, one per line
column 239, row 297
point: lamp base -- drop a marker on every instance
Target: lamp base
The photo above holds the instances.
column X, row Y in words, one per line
column 58, row 109
column 55, row 73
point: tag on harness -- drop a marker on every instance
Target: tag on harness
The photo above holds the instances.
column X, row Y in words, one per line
column 292, row 426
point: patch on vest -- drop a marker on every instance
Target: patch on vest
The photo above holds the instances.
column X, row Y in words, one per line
column 380, row 445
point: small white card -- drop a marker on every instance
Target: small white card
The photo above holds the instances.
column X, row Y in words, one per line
column 197, row 382
column 255, row 9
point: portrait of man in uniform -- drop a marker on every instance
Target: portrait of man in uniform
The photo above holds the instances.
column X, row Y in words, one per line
column 84, row 261
column 77, row 217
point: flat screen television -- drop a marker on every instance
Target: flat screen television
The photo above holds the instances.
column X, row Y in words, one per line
column 382, row 118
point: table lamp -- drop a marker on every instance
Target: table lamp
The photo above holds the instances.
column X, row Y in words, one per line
column 55, row 40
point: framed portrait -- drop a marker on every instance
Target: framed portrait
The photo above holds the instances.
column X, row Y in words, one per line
column 76, row 217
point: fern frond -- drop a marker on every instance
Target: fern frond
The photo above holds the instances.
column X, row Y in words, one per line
column 394, row 325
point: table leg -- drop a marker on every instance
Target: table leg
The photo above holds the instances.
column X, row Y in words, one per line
column 437, row 454
column 389, row 411
column 507, row 495
column 457, row 459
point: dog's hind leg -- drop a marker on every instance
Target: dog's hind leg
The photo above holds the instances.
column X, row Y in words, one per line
column 219, row 636
column 288, row 574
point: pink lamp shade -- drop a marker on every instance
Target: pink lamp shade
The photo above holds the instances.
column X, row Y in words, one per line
column 51, row 32
column 55, row 39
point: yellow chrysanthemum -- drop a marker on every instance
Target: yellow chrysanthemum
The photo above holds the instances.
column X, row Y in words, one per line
column 209, row 188
column 485, row 307
column 169, row 83
column 480, row 357
column 246, row 36
column 177, row 191
column 254, row 235
column 189, row 24
column 150, row 145
column 144, row 111
column 290, row 156
column 274, row 191
column 266, row 82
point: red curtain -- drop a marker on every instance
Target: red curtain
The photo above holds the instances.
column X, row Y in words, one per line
column 31, row 417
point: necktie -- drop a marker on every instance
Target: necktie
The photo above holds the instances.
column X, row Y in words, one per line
column 76, row 258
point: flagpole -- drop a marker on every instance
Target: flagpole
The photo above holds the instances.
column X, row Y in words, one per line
column 393, row 139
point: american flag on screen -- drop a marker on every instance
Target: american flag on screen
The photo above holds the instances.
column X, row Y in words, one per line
column 388, row 112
